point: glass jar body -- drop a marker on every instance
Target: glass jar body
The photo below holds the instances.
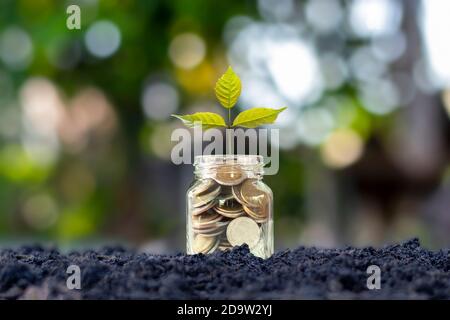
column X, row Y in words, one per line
column 228, row 205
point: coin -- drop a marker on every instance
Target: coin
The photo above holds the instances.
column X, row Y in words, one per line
column 259, row 250
column 211, row 230
column 224, row 244
column 225, row 247
column 229, row 175
column 205, row 197
column 229, row 203
column 243, row 230
column 213, row 225
column 203, row 244
column 225, row 196
column 225, row 191
column 229, row 208
column 204, row 208
column 228, row 214
column 214, row 247
column 202, row 186
column 206, row 219
column 251, row 194
column 257, row 213
column 236, row 190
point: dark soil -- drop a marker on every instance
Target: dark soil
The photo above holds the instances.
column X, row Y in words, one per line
column 407, row 272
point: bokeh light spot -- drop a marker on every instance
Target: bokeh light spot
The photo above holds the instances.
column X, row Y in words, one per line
column 90, row 117
column 204, row 75
column 435, row 24
column 390, row 47
column 342, row 148
column 324, row 15
column 159, row 100
column 380, row 96
column 294, row 70
column 370, row 18
column 103, row 39
column 275, row 65
column 315, row 125
column 42, row 109
column 187, row 50
column 334, row 71
column 40, row 212
column 16, row 48
column 365, row 66
column 160, row 141
column 276, row 10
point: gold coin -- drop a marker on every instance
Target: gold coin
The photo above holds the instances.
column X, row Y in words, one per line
column 236, row 190
column 213, row 225
column 229, row 175
column 211, row 231
column 205, row 219
column 204, row 208
column 229, row 208
column 229, row 203
column 214, row 247
column 260, row 216
column 205, row 198
column 243, row 230
column 226, row 191
column 202, row 186
column 224, row 248
column 251, row 194
column 231, row 215
column 225, row 196
column 203, row 244
column 259, row 212
column 224, row 244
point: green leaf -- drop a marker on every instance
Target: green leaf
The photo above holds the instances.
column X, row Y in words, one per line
column 207, row 120
column 255, row 117
column 228, row 89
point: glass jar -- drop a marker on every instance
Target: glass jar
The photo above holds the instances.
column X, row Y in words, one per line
column 228, row 205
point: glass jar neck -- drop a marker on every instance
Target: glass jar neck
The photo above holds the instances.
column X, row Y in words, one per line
column 250, row 166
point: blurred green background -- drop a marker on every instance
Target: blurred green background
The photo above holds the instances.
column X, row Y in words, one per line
column 85, row 116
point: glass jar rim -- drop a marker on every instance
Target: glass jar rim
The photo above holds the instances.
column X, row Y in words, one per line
column 238, row 159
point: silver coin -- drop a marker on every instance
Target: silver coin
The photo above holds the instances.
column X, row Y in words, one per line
column 243, row 230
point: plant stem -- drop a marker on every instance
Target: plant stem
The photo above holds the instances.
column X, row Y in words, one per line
column 228, row 135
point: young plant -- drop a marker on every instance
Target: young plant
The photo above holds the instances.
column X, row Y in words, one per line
column 228, row 90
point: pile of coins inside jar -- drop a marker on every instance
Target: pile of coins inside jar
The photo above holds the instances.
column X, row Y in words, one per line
column 228, row 209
